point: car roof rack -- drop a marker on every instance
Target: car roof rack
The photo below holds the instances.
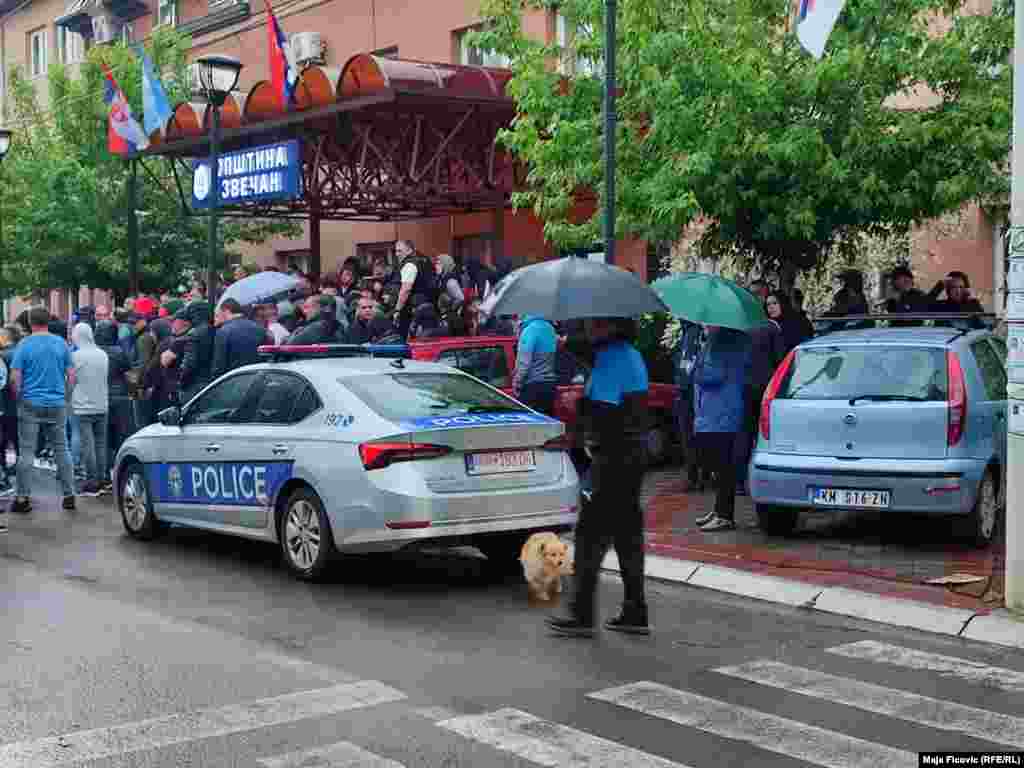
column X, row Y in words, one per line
column 282, row 352
column 961, row 321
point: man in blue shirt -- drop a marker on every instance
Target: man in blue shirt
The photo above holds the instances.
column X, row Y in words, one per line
column 42, row 373
column 535, row 377
column 615, row 422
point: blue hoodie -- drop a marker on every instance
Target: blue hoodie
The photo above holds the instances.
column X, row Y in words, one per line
column 720, row 379
column 536, row 354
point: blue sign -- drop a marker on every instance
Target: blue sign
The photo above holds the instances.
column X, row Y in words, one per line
column 270, row 172
column 244, row 485
column 476, row 420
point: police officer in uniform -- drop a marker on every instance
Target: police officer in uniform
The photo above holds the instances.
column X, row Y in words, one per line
column 615, row 421
column 417, row 284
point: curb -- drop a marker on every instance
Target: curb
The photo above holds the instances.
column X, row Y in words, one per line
column 999, row 628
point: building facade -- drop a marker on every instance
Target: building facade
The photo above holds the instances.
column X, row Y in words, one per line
column 36, row 33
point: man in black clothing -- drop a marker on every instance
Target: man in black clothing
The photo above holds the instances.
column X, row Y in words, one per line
column 907, row 298
column 417, row 281
column 324, row 328
column 237, row 339
column 368, row 325
column 958, row 295
column 197, row 361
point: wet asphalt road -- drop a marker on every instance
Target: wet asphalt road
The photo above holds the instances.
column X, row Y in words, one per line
column 200, row 650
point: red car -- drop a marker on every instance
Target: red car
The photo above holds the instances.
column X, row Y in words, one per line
column 493, row 359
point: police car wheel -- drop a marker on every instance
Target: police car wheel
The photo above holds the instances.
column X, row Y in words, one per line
column 137, row 505
column 306, row 539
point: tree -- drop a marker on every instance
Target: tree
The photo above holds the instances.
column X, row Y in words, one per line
column 723, row 116
column 65, row 195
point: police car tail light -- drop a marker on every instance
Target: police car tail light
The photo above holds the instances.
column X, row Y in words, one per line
column 771, row 392
column 560, row 443
column 380, row 455
column 957, row 399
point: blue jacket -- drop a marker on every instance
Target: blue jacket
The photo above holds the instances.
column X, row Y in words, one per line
column 535, row 354
column 720, row 380
column 236, row 343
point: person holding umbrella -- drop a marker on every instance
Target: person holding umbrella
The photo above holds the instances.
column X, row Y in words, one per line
column 614, row 420
column 614, row 411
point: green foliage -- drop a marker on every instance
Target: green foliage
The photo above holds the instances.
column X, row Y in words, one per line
column 723, row 115
column 65, row 197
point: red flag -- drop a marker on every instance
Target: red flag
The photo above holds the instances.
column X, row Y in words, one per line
column 284, row 75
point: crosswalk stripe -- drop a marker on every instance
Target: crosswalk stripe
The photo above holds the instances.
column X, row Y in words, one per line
column 1004, row 679
column 176, row 729
column 344, row 754
column 551, row 744
column 935, row 713
column 769, row 732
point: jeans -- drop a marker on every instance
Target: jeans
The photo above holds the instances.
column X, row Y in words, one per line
column 716, row 450
column 614, row 516
column 74, row 441
column 35, row 420
column 93, row 430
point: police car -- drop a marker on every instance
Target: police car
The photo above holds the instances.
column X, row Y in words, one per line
column 331, row 449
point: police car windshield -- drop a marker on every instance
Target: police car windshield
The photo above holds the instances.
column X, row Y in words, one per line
column 405, row 396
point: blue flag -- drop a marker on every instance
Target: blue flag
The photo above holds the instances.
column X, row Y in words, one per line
column 156, row 110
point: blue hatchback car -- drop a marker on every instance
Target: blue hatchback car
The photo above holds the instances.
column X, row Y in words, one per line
column 901, row 420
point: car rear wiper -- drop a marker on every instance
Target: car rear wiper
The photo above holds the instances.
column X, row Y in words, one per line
column 889, row 399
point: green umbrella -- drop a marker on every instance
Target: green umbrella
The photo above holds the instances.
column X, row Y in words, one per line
column 710, row 300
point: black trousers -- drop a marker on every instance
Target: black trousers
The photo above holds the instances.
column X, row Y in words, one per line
column 613, row 516
column 540, row 397
column 717, row 449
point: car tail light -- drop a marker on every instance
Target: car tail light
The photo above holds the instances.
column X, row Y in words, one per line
column 957, row 399
column 560, row 443
column 770, row 393
column 380, row 455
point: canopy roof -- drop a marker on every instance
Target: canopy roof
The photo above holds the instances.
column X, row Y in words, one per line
column 382, row 139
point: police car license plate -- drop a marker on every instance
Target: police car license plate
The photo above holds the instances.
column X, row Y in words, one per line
column 500, row 462
column 847, row 497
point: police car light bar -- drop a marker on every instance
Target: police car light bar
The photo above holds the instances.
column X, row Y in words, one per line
column 300, row 351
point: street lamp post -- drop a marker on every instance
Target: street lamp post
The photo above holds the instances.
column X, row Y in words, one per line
column 5, row 144
column 610, row 12
column 218, row 76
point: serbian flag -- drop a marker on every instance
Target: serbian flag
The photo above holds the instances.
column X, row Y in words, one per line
column 284, row 75
column 814, row 22
column 124, row 134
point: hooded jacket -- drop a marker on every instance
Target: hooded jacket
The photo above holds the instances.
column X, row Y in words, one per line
column 106, row 339
column 91, row 392
column 197, row 361
column 536, row 354
column 720, row 382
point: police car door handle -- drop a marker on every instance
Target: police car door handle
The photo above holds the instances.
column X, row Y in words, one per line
column 279, row 450
column 212, row 448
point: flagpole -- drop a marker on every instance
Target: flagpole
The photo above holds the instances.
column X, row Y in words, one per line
column 610, row 12
column 133, row 230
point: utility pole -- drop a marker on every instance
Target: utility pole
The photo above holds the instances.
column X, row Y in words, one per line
column 1014, row 472
column 133, row 231
column 610, row 12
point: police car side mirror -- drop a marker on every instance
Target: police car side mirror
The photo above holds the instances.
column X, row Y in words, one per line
column 170, row 417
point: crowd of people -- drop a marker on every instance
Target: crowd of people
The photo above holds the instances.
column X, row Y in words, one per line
column 722, row 373
column 73, row 392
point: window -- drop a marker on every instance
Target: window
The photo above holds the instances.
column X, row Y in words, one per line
column 485, row 363
column 220, row 404
column 993, row 372
column 37, row 53
column 305, row 406
column 402, row 397
column 167, row 12
column 277, row 401
column 70, row 46
column 469, row 55
column 367, row 252
column 872, row 373
column 571, row 63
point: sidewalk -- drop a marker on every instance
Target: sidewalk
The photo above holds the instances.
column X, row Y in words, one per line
column 859, row 565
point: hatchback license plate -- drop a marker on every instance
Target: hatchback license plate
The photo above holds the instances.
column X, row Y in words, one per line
column 848, row 497
column 500, row 462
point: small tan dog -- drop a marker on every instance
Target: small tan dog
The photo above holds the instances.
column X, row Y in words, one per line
column 545, row 560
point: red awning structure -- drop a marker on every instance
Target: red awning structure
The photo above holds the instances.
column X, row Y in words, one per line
column 382, row 139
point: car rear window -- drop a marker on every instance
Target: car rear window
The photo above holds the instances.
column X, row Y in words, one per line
column 870, row 372
column 404, row 396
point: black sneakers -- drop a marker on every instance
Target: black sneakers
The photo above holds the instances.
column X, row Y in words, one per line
column 632, row 620
column 570, row 627
column 69, row 503
column 22, row 505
